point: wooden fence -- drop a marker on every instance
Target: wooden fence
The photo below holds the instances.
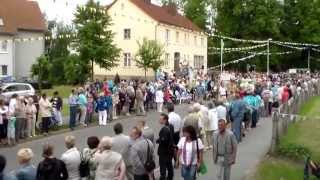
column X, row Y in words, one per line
column 287, row 113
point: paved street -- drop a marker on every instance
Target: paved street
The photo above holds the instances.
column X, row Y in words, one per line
column 251, row 150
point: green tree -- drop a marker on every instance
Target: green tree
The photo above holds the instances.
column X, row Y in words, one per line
column 149, row 55
column 76, row 71
column 197, row 12
column 94, row 38
column 40, row 69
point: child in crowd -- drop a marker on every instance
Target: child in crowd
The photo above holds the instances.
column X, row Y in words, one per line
column 11, row 130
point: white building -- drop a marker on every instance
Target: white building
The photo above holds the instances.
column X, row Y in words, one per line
column 133, row 20
column 22, row 28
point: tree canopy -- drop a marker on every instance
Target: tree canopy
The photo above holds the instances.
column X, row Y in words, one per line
column 94, row 39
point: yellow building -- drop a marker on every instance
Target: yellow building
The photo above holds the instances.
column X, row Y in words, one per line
column 133, row 20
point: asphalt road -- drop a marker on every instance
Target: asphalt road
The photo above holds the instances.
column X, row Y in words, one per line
column 250, row 151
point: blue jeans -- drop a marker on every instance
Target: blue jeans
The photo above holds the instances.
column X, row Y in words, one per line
column 73, row 114
column 189, row 172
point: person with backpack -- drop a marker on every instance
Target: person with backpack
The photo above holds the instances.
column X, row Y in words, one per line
column 141, row 155
column 51, row 168
column 166, row 148
column 190, row 153
column 88, row 166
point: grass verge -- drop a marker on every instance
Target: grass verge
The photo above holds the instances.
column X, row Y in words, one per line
column 302, row 138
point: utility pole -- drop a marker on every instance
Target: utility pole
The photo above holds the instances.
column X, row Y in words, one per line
column 221, row 56
column 309, row 59
column 268, row 57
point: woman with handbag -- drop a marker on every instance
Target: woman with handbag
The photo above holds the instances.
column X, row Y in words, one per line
column 190, row 153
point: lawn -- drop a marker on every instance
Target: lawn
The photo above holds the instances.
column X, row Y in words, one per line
column 64, row 91
column 278, row 169
column 305, row 133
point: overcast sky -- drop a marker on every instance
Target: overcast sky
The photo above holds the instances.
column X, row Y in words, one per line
column 63, row 10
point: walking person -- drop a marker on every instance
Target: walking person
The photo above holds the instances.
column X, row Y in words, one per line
column 212, row 125
column 121, row 144
column 72, row 158
column 147, row 132
column 51, row 168
column 31, row 112
column 190, row 153
column 73, row 105
column 26, row 171
column 159, row 99
column 237, row 111
column 140, row 101
column 224, row 150
column 57, row 104
column 89, row 154
column 141, row 151
column 83, row 102
column 45, row 113
column 176, row 121
column 166, row 148
column 110, row 164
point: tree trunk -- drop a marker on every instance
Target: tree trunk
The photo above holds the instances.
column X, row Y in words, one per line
column 145, row 74
column 92, row 70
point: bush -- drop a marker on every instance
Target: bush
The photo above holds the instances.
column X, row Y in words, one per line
column 294, row 151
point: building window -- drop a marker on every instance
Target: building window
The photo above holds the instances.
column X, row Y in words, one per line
column 195, row 40
column 177, row 37
column 198, row 62
column 4, row 70
column 1, row 22
column 122, row 6
column 127, row 59
column 167, row 35
column 202, row 42
column 185, row 38
column 4, row 46
column 166, row 60
column 127, row 34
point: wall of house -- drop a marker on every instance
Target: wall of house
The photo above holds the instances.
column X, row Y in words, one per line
column 6, row 56
column 27, row 52
column 126, row 15
column 189, row 44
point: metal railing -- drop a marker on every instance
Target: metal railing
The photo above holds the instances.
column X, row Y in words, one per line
column 287, row 113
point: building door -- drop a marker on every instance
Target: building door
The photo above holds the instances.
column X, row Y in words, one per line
column 176, row 61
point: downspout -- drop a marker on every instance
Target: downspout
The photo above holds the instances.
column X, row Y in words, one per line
column 13, row 51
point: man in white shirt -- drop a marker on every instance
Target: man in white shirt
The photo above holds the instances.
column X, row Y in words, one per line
column 72, row 158
column 176, row 121
column 221, row 110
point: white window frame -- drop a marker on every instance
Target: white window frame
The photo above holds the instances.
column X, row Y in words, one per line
column 2, row 72
column 167, row 35
column 177, row 36
column 127, row 59
column 166, row 59
column 2, row 45
column 127, row 34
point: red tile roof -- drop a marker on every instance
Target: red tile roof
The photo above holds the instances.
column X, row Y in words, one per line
column 21, row 15
column 163, row 15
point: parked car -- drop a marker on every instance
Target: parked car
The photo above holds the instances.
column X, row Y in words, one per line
column 21, row 89
column 34, row 83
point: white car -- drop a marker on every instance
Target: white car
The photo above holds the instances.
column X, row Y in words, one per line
column 21, row 89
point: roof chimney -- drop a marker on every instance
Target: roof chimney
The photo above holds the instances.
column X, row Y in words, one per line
column 172, row 8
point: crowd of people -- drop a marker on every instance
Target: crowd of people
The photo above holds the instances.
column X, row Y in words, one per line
column 219, row 117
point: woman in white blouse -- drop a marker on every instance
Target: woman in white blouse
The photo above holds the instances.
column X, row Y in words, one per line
column 190, row 153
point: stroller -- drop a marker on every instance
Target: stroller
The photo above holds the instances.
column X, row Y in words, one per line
column 312, row 168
